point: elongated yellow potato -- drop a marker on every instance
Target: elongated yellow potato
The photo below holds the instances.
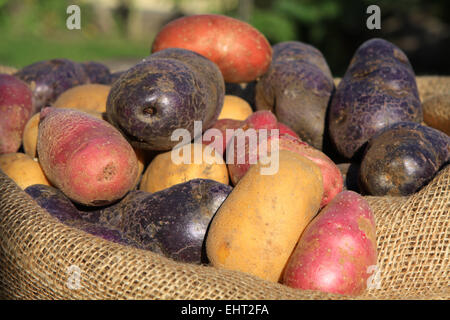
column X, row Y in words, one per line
column 257, row 227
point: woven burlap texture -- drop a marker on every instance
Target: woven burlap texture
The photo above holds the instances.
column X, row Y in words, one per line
column 38, row 255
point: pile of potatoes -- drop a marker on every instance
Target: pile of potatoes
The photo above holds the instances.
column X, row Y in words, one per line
column 96, row 150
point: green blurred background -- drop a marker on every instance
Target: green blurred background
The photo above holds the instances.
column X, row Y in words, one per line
column 121, row 31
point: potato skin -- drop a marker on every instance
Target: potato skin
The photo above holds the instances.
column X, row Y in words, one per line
column 85, row 157
column 97, row 72
column 163, row 173
column 436, row 112
column 49, row 78
column 335, row 250
column 222, row 125
column 235, row 108
column 258, row 225
column 15, row 109
column 85, row 97
column 297, row 88
column 60, row 207
column 207, row 72
column 164, row 92
column 378, row 89
column 241, row 52
column 333, row 182
column 22, row 169
column 30, row 133
column 402, row 158
column 172, row 222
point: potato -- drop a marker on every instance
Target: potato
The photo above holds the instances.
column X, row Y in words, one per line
column 169, row 90
column 49, row 78
column 235, row 108
column 242, row 53
column 87, row 97
column 402, row 158
column 258, row 225
column 436, row 112
column 141, row 157
column 7, row 69
column 297, row 88
column 172, row 222
column 163, row 172
column 30, row 134
column 97, row 72
column 15, row 109
column 285, row 139
column 378, row 89
column 209, row 136
column 22, row 169
column 335, row 252
column 85, row 157
column 60, row 207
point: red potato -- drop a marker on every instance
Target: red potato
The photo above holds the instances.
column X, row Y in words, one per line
column 336, row 250
column 241, row 52
column 238, row 166
column 15, row 109
column 85, row 157
column 333, row 182
column 209, row 136
column 284, row 129
column 244, row 151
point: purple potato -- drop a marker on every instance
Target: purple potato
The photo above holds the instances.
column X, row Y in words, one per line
column 97, row 72
column 298, row 51
column 54, row 201
column 402, row 158
column 49, row 78
column 208, row 72
column 60, row 207
column 297, row 88
column 169, row 90
column 172, row 222
column 378, row 89
column 115, row 75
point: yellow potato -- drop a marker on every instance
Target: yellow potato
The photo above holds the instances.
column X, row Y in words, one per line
column 7, row 69
column 436, row 112
column 86, row 97
column 235, row 108
column 163, row 173
column 258, row 225
column 22, row 169
column 140, row 155
column 30, row 134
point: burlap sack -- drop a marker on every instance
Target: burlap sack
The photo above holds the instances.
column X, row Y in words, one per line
column 40, row 257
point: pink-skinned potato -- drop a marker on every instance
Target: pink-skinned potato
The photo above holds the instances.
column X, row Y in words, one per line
column 15, row 109
column 333, row 182
column 241, row 52
column 336, row 250
column 85, row 157
column 210, row 135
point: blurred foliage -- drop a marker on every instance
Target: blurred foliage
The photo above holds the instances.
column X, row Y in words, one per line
column 33, row 30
